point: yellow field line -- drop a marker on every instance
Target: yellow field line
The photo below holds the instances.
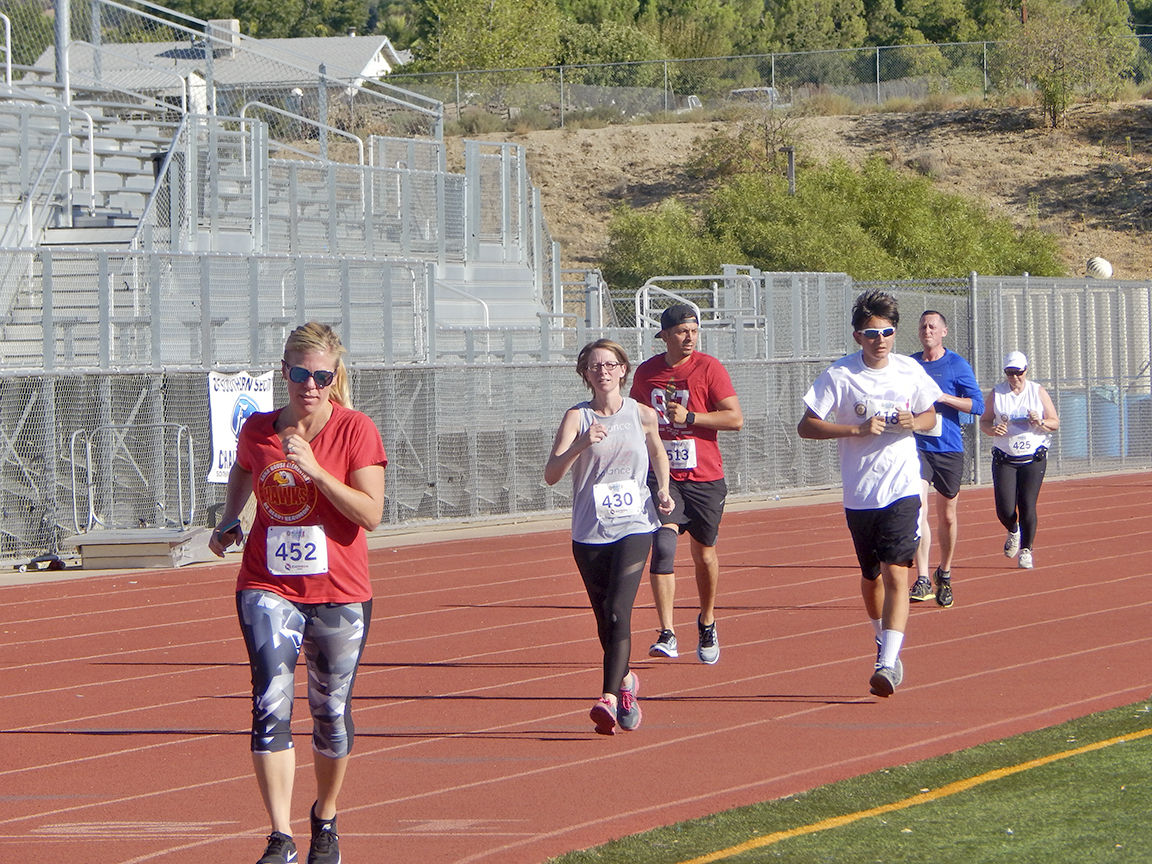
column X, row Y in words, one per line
column 915, row 800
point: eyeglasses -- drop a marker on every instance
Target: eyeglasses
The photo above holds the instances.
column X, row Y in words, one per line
column 608, row 366
column 876, row 332
column 300, row 375
column 1014, row 372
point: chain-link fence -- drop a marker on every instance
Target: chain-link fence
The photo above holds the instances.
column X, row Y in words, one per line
column 614, row 92
column 162, row 57
column 468, row 440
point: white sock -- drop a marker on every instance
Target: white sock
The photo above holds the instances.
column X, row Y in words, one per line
column 890, row 643
column 878, row 627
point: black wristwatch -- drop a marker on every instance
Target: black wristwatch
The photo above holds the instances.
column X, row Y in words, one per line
column 690, row 418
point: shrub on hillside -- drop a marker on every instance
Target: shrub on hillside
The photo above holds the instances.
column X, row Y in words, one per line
column 666, row 240
column 872, row 223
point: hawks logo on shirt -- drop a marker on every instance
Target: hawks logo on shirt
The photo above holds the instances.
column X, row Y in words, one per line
column 287, row 494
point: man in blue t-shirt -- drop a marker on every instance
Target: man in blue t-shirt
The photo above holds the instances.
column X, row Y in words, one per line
column 941, row 452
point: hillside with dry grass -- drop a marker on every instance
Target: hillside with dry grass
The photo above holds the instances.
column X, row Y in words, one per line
column 1089, row 183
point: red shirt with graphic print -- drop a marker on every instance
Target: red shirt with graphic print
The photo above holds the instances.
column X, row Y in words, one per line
column 286, row 496
column 705, row 382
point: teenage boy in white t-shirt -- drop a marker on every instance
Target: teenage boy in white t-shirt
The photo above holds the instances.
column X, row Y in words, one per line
column 871, row 402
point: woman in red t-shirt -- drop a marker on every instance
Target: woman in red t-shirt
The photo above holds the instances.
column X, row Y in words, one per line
column 317, row 470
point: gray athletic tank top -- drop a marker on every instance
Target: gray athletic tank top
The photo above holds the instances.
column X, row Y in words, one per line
column 610, row 497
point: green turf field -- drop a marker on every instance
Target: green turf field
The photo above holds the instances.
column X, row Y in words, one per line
column 1079, row 792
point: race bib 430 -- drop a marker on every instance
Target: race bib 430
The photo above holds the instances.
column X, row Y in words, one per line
column 617, row 501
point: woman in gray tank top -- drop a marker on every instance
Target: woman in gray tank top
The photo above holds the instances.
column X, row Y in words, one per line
column 609, row 443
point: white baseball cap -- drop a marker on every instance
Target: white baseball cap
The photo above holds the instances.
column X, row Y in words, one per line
column 1015, row 360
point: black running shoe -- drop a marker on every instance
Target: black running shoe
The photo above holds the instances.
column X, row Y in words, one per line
column 280, row 850
column 325, row 848
column 921, row 589
column 944, row 587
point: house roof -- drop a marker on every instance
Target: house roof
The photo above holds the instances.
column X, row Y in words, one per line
column 154, row 65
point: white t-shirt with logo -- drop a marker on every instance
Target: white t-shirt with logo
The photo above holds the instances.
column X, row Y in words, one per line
column 875, row 469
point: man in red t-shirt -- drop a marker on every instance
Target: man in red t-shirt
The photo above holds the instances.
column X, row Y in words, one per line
column 694, row 398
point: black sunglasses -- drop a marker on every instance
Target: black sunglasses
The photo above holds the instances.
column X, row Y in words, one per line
column 1014, row 372
column 300, row 375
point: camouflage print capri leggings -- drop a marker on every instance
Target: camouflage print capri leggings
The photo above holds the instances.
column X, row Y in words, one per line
column 332, row 636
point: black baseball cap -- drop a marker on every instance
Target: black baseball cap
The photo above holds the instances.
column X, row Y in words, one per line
column 677, row 314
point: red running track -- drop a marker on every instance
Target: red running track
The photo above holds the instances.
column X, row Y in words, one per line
column 125, row 708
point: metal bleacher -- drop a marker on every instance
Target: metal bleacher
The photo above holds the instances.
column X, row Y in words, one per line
column 146, row 239
column 121, row 174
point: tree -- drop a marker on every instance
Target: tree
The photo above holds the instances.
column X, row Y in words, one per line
column 282, row 19
column 692, row 28
column 490, row 34
column 991, row 16
column 1141, row 15
column 394, row 19
column 886, row 24
column 596, row 12
column 941, row 20
column 1065, row 48
column 816, row 25
column 610, row 42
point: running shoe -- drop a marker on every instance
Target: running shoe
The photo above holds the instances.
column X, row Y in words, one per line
column 325, row 848
column 664, row 646
column 603, row 714
column 943, row 587
column 884, row 682
column 921, row 589
column 1025, row 561
column 898, row 668
column 1012, row 544
column 628, row 713
column 280, row 850
column 709, row 648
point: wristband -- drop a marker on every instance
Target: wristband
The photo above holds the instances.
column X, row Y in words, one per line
column 690, row 418
column 221, row 530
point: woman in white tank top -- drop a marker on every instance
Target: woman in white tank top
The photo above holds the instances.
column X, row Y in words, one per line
column 1019, row 415
column 609, row 442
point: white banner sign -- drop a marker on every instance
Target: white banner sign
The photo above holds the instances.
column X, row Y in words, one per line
column 232, row 399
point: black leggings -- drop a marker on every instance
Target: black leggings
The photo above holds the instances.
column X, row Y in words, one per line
column 612, row 574
column 1016, row 487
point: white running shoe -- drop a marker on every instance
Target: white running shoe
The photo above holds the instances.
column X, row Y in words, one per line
column 897, row 668
column 708, row 651
column 664, row 646
column 1012, row 544
column 1025, row 561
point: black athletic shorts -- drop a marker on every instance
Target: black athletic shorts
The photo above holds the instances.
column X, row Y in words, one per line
column 699, row 506
column 889, row 535
column 942, row 470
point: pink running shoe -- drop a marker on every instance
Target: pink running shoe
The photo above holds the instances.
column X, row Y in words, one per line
column 629, row 714
column 603, row 714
